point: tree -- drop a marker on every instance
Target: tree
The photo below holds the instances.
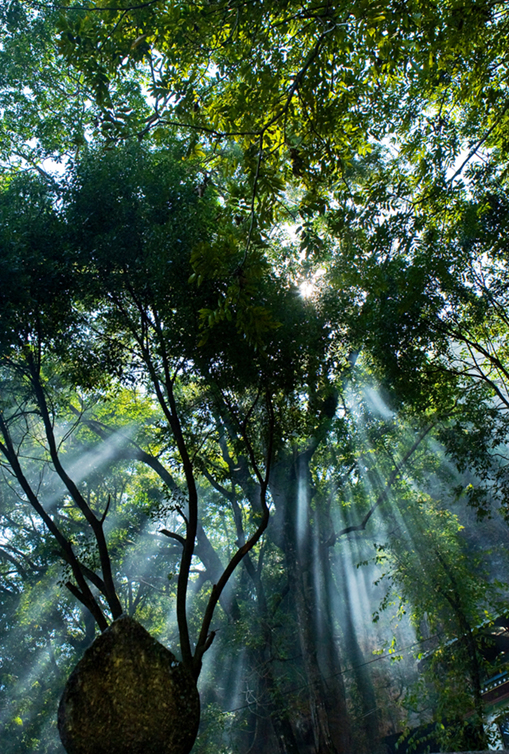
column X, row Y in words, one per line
column 431, row 573
column 49, row 111
column 305, row 90
column 91, row 311
column 43, row 320
column 347, row 120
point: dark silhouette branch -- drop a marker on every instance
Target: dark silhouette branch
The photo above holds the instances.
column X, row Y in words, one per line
column 206, row 638
column 173, row 535
column 82, row 592
column 95, row 523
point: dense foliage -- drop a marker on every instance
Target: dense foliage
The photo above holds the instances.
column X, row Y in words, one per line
column 253, row 360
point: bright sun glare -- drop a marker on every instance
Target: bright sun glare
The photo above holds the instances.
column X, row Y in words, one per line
column 309, row 286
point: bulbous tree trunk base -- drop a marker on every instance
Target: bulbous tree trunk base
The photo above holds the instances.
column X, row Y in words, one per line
column 128, row 695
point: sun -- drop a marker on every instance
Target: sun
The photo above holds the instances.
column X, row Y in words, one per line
column 310, row 286
column 307, row 288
